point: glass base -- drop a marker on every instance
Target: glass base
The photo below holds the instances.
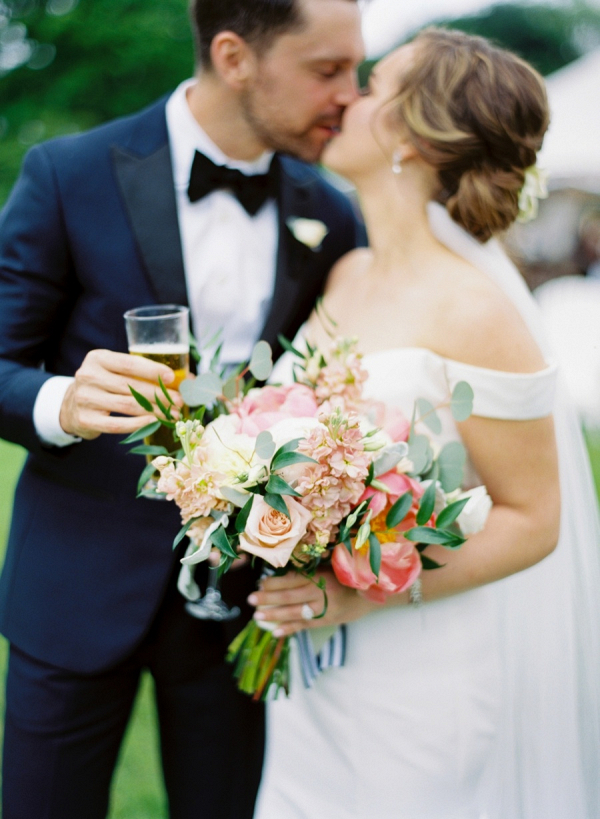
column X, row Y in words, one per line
column 212, row 607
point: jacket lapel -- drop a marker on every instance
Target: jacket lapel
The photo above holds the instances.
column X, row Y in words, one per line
column 146, row 184
column 297, row 193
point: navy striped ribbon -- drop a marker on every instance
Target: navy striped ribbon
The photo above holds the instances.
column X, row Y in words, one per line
column 332, row 655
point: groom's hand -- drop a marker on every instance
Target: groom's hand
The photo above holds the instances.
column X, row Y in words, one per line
column 99, row 399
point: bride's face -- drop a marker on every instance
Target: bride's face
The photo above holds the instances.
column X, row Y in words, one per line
column 367, row 140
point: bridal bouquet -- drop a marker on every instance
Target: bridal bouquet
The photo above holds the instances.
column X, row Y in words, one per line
column 312, row 474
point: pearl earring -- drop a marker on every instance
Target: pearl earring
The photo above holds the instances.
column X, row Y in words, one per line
column 397, row 162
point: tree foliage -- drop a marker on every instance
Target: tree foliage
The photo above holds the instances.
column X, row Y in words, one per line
column 66, row 65
column 88, row 62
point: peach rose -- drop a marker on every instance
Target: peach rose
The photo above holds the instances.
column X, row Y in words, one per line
column 270, row 534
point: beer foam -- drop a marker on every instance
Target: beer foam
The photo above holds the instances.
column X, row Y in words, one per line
column 160, row 348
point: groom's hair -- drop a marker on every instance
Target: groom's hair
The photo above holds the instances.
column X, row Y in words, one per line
column 258, row 22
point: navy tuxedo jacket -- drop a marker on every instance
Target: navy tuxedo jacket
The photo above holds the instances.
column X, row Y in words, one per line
column 89, row 231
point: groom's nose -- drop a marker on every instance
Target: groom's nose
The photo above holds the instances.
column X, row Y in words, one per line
column 347, row 88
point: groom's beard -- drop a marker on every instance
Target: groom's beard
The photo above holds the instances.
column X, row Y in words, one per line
column 273, row 128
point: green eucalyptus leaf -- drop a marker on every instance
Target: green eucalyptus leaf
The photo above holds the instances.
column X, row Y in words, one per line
column 450, row 513
column 278, row 486
column 142, row 433
column 261, row 362
column 234, row 496
column 277, row 502
column 428, row 563
column 399, row 510
column 290, row 446
column 147, row 473
column 389, row 457
column 427, row 505
column 242, row 517
column 451, row 463
column 147, row 449
column 183, row 532
column 425, row 534
column 142, row 401
column 289, row 459
column 461, row 403
column 225, row 564
column 219, row 539
column 289, row 347
column 374, row 555
column 165, row 392
column 419, row 452
column 428, row 415
column 205, row 389
column 265, row 445
column 230, row 388
column 163, row 408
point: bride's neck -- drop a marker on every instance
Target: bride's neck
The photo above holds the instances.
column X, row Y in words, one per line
column 395, row 213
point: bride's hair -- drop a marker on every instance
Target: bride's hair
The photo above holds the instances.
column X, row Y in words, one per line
column 477, row 114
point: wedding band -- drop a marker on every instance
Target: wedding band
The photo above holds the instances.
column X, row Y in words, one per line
column 307, row 613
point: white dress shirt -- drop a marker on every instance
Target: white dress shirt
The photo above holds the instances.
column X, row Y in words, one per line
column 229, row 259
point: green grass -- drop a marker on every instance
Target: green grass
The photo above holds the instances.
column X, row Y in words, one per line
column 137, row 789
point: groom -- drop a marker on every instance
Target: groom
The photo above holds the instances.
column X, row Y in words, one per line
column 129, row 214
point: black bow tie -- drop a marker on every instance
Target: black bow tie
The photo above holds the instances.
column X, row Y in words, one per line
column 251, row 191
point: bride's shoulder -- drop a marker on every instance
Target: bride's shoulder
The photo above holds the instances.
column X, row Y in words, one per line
column 479, row 325
column 347, row 266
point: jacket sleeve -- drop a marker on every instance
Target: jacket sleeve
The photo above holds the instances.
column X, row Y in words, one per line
column 35, row 293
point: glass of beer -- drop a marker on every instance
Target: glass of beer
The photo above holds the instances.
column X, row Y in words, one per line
column 161, row 332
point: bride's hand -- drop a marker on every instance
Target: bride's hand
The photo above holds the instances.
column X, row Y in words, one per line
column 281, row 600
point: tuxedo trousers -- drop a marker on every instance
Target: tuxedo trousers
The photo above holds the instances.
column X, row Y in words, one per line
column 63, row 731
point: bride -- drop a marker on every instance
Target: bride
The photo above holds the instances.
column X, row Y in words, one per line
column 483, row 701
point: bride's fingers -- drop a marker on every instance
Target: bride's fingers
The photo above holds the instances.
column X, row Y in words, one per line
column 288, row 614
column 291, row 580
column 287, row 629
column 307, row 593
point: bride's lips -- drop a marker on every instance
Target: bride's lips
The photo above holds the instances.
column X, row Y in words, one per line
column 330, row 130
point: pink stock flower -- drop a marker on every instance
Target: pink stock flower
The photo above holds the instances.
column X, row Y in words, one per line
column 262, row 408
column 400, row 567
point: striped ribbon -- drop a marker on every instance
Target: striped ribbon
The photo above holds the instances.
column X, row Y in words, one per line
column 331, row 655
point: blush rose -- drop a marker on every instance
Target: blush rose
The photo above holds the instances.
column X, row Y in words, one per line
column 270, row 534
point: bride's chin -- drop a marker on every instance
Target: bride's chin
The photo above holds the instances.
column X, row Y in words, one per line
column 333, row 161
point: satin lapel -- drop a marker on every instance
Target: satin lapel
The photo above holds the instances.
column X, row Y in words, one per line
column 146, row 184
column 296, row 195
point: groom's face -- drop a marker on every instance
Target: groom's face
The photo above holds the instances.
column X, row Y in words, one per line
column 302, row 84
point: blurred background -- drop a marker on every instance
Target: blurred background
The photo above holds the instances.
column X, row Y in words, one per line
column 67, row 65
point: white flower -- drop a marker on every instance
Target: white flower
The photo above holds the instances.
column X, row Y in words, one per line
column 228, row 453
column 534, row 188
column 310, row 232
column 473, row 517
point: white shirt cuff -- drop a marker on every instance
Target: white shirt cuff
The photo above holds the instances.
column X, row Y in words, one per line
column 46, row 411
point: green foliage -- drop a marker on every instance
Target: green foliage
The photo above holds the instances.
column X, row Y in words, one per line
column 111, row 59
column 547, row 36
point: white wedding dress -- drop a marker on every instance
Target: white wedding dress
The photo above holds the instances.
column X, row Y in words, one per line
column 485, row 705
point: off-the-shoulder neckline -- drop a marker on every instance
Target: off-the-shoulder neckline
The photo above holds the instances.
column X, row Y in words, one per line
column 548, row 370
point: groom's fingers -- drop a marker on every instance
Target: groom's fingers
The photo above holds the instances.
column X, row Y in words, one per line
column 100, row 400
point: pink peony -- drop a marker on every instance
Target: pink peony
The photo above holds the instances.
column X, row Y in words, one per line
column 389, row 419
column 262, row 408
column 398, row 484
column 270, row 534
column 400, row 567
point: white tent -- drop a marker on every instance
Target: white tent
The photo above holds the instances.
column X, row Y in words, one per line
column 571, row 151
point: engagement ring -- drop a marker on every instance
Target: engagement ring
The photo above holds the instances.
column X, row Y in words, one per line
column 307, row 613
